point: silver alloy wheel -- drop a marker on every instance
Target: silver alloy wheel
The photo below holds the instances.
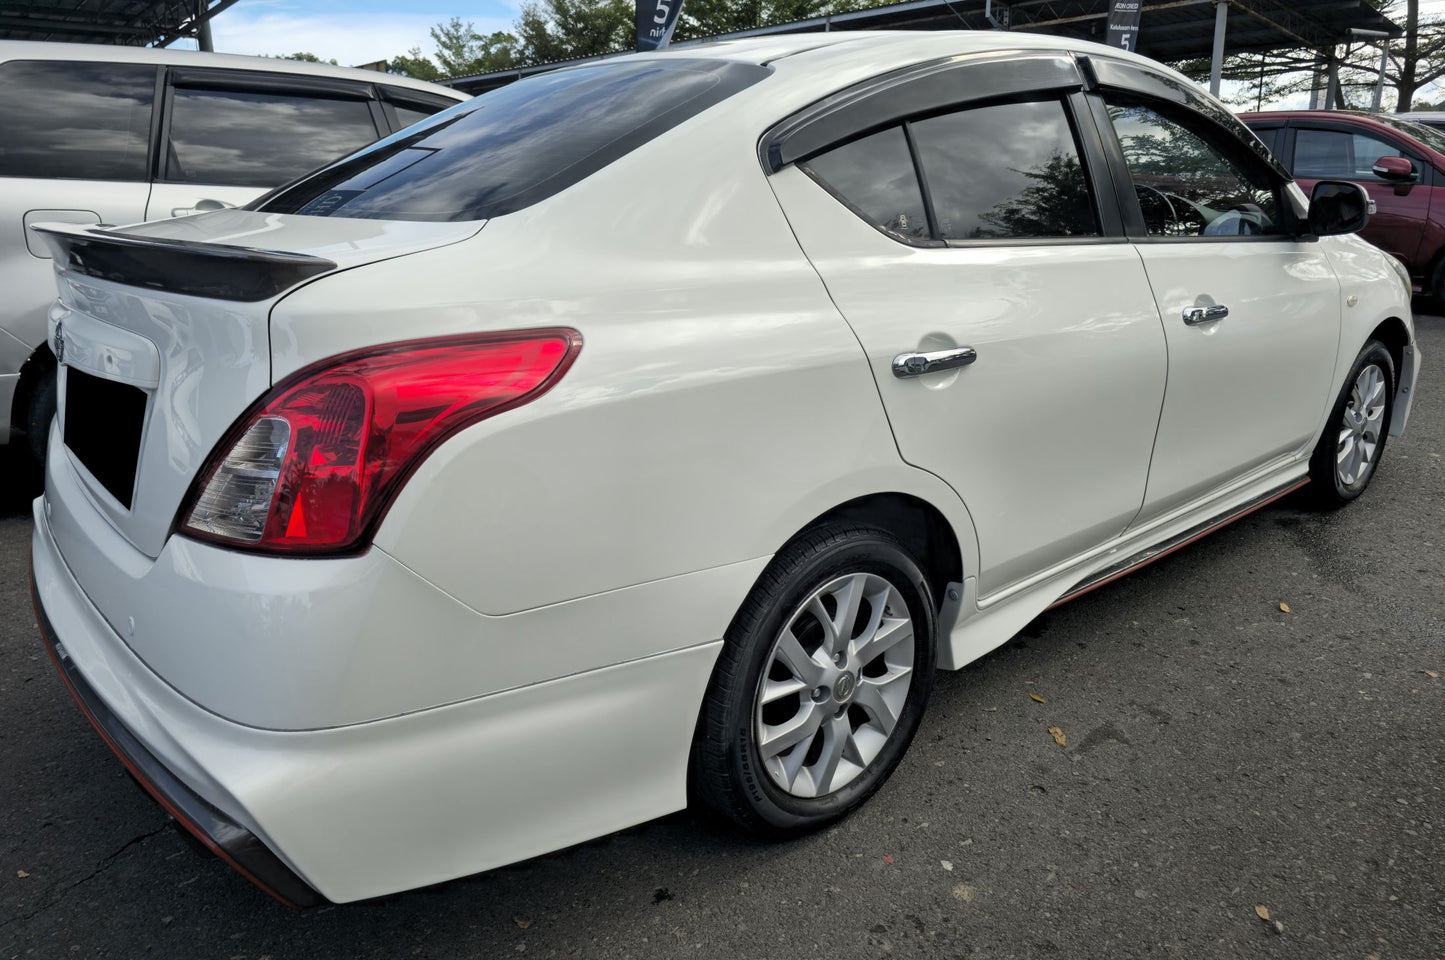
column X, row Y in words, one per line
column 834, row 685
column 1361, row 426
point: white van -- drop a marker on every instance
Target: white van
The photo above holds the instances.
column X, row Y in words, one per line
column 97, row 134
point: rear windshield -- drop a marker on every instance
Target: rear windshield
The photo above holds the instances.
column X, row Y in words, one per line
column 510, row 148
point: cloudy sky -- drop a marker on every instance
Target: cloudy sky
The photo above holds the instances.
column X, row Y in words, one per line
column 348, row 31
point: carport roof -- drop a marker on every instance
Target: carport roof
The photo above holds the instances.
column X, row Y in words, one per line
column 1170, row 30
column 130, row 22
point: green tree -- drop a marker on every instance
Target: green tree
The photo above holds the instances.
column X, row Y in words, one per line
column 303, row 57
column 563, row 29
column 460, row 51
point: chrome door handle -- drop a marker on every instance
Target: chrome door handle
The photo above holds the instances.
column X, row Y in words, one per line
column 1197, row 315
column 917, row 364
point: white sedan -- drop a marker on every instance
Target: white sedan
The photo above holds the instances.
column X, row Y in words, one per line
column 653, row 429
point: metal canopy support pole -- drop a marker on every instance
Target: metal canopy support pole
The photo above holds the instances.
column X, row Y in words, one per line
column 203, row 27
column 1216, row 68
column 1332, row 85
column 1380, row 80
column 1383, row 39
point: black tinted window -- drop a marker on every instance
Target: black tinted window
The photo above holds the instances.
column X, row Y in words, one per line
column 259, row 139
column 408, row 107
column 406, row 116
column 1335, row 153
column 876, row 176
column 1005, row 171
column 1269, row 136
column 516, row 145
column 77, row 121
column 1188, row 185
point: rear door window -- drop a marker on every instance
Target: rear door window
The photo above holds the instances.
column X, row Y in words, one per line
column 259, row 138
column 74, row 120
column 1009, row 171
column 514, row 146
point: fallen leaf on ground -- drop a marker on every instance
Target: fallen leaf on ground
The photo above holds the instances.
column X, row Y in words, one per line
column 1035, row 696
column 990, row 709
column 947, row 864
column 1284, row 607
column 1262, row 912
column 522, row 922
column 1431, row 674
column 1058, row 736
column 21, row 874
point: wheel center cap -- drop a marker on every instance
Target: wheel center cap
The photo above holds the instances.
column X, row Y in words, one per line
column 843, row 688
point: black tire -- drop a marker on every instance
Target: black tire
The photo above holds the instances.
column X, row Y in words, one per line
column 728, row 772
column 1328, row 488
column 38, row 416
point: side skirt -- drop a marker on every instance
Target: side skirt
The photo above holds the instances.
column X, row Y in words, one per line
column 1162, row 549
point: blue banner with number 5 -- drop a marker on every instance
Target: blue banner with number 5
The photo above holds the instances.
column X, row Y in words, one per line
column 655, row 20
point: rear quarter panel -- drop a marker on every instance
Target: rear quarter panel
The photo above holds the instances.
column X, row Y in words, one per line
column 719, row 402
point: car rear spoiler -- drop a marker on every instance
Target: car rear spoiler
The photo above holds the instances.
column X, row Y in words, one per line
column 213, row 270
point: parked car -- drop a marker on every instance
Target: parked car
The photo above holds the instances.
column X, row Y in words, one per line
column 1400, row 163
column 654, row 428
column 1434, row 119
column 123, row 134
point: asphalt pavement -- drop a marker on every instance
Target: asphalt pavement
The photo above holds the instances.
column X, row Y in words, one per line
column 1223, row 757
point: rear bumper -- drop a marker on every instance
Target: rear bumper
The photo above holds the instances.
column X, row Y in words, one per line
column 373, row 808
column 227, row 839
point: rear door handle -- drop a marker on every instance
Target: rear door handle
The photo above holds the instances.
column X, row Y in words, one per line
column 205, row 205
column 917, row 364
column 1197, row 315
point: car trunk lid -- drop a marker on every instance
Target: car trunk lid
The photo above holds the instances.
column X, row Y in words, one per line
column 162, row 336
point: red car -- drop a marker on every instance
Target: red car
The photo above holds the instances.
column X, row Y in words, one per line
column 1400, row 163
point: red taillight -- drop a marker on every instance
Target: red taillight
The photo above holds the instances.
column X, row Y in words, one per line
column 314, row 465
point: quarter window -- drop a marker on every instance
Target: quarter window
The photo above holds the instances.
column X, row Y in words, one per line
column 259, row 139
column 1335, row 153
column 876, row 176
column 1187, row 186
column 75, row 121
column 1009, row 171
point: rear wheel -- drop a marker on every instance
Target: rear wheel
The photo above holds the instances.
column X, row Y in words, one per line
column 1354, row 437
column 821, row 684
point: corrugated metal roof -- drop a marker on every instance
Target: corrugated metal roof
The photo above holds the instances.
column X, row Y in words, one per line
column 131, row 22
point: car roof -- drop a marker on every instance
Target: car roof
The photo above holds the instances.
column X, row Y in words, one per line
column 104, row 53
column 867, row 44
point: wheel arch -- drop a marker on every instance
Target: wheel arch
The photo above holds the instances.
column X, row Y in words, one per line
column 1393, row 334
column 921, row 526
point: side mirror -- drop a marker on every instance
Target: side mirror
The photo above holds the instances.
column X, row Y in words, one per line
column 1395, row 170
column 1337, row 207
